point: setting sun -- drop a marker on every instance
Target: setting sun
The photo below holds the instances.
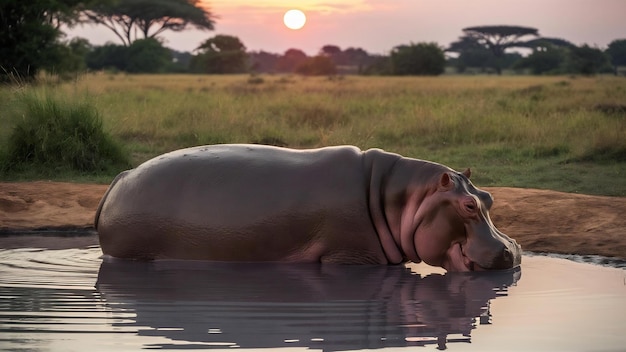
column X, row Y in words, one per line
column 294, row 19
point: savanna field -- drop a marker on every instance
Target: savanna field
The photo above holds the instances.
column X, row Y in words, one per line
column 560, row 133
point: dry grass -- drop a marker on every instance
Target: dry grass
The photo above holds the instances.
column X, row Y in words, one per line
column 516, row 130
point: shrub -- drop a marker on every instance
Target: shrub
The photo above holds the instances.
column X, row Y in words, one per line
column 418, row 59
column 55, row 135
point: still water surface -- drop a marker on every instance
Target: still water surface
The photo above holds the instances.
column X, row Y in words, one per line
column 58, row 294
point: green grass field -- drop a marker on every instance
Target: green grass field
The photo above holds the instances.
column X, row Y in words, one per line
column 560, row 133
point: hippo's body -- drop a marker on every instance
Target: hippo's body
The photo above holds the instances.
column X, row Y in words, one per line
column 335, row 204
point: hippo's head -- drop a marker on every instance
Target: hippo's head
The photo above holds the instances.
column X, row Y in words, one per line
column 451, row 228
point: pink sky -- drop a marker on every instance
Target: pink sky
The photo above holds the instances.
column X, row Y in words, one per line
column 379, row 25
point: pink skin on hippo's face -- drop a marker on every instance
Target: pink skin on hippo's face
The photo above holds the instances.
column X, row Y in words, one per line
column 452, row 229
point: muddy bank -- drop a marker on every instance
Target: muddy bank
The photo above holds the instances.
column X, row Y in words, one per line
column 540, row 220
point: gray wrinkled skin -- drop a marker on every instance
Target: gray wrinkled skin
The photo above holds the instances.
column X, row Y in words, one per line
column 336, row 204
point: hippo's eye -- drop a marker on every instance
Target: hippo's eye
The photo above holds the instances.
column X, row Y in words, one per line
column 470, row 206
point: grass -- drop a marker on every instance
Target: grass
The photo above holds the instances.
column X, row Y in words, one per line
column 55, row 136
column 561, row 133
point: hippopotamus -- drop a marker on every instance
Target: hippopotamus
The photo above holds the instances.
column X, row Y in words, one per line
column 256, row 203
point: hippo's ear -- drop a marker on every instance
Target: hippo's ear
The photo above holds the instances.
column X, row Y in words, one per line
column 467, row 172
column 445, row 182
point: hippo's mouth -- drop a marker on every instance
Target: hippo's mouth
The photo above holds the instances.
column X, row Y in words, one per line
column 458, row 261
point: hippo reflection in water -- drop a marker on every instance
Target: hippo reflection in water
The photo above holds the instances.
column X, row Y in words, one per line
column 253, row 203
column 324, row 307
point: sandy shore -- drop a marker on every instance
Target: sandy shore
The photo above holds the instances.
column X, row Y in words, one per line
column 541, row 221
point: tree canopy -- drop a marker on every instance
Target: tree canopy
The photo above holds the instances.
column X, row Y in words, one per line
column 544, row 42
column 149, row 17
column 290, row 60
column 548, row 57
column 548, row 60
column 220, row 54
column 29, row 31
column 330, row 50
column 499, row 38
column 587, row 60
column 142, row 56
column 418, row 59
column 471, row 54
column 617, row 52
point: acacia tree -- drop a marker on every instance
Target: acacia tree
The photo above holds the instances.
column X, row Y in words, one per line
column 499, row 38
column 148, row 17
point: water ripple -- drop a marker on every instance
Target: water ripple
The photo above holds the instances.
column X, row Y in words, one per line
column 73, row 299
column 68, row 268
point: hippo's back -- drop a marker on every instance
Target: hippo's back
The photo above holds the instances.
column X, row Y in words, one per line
column 235, row 202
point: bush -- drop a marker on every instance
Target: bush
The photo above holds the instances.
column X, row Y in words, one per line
column 418, row 59
column 147, row 56
column 55, row 135
column 587, row 60
column 142, row 56
column 549, row 61
column 109, row 56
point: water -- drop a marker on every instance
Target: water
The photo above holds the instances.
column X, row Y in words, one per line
column 58, row 294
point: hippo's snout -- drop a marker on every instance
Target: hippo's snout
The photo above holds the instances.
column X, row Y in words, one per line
column 491, row 249
column 508, row 258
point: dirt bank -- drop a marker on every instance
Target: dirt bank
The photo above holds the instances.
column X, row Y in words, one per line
column 541, row 221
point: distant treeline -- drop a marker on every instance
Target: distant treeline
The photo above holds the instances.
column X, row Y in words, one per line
column 225, row 54
column 31, row 41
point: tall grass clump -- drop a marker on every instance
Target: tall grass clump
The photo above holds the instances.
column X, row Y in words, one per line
column 55, row 136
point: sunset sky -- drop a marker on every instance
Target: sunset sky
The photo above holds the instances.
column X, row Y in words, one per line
column 379, row 25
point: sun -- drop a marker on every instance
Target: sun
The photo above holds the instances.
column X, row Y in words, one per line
column 294, row 19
